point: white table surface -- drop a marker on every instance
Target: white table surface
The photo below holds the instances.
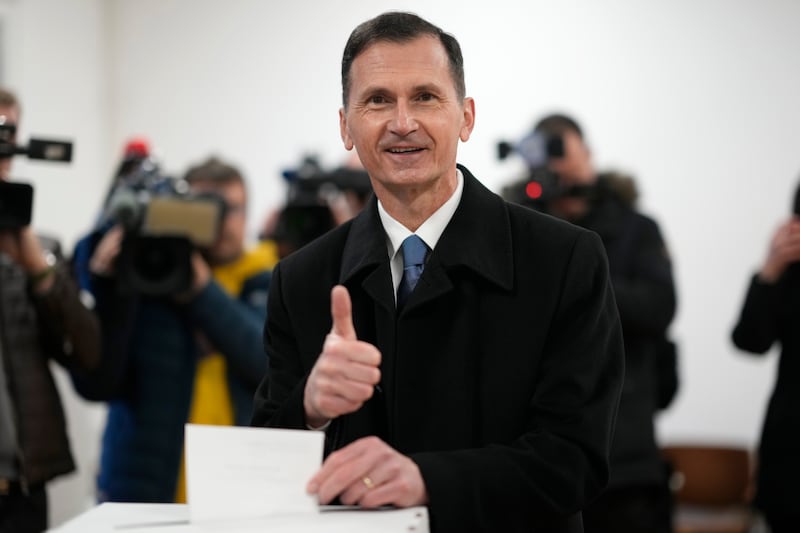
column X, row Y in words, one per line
column 174, row 518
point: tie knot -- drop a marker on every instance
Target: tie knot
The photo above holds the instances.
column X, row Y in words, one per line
column 414, row 251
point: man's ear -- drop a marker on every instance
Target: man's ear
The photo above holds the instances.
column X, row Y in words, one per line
column 348, row 142
column 469, row 119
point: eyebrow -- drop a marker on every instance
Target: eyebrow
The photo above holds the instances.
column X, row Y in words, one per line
column 422, row 88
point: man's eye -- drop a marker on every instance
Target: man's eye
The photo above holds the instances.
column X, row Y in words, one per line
column 377, row 99
column 426, row 97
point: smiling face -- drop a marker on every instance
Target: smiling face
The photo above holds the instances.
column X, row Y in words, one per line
column 404, row 118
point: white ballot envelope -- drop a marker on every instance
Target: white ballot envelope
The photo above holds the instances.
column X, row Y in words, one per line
column 246, row 472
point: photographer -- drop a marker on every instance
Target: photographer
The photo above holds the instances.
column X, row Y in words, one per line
column 768, row 316
column 41, row 319
column 637, row 498
column 193, row 356
column 317, row 201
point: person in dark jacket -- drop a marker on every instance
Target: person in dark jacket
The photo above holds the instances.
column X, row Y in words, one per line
column 770, row 314
column 180, row 357
column 459, row 352
column 42, row 319
column 637, row 498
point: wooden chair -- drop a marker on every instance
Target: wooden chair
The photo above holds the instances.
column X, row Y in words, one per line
column 712, row 486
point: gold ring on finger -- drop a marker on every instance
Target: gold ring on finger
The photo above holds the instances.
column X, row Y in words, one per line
column 368, row 482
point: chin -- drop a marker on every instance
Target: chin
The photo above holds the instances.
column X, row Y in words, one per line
column 224, row 257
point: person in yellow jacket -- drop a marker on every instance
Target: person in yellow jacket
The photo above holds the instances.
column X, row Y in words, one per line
column 169, row 360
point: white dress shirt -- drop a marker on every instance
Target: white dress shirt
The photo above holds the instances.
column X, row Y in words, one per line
column 429, row 231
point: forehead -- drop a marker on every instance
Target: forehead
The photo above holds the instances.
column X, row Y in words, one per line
column 421, row 57
column 572, row 141
column 231, row 190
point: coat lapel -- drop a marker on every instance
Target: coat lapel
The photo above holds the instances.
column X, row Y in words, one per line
column 478, row 238
column 365, row 256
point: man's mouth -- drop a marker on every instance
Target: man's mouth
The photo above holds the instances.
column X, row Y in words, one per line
column 405, row 150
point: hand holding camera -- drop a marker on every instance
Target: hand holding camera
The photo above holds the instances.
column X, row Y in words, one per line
column 17, row 239
column 23, row 247
column 102, row 262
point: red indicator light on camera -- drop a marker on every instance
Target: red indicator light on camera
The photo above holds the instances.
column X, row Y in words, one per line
column 533, row 190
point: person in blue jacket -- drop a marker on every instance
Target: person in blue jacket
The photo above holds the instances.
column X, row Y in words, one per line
column 194, row 356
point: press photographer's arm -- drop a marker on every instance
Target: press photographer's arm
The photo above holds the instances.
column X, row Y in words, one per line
column 24, row 248
column 67, row 330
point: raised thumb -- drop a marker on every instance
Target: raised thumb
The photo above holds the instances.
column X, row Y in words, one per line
column 342, row 313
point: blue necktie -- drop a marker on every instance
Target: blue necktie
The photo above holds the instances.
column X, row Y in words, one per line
column 414, row 253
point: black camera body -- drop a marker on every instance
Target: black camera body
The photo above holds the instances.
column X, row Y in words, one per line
column 163, row 225
column 307, row 214
column 16, row 202
column 540, row 186
column 16, row 199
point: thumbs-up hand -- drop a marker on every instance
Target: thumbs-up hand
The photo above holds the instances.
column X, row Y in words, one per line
column 346, row 372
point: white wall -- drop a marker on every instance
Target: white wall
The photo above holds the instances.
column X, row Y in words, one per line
column 697, row 98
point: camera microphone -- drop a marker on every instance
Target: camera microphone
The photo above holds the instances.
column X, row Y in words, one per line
column 39, row 149
column 49, row 150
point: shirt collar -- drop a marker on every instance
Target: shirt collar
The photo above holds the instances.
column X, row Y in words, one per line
column 430, row 230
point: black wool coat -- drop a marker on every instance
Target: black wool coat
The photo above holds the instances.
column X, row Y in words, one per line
column 641, row 274
column 770, row 315
column 501, row 375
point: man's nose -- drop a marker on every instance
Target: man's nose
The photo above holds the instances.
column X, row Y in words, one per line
column 404, row 120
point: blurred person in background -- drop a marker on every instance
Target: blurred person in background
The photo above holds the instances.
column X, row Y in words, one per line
column 317, row 201
column 564, row 183
column 190, row 356
column 771, row 313
column 42, row 319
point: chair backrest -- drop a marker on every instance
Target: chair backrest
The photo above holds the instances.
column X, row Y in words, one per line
column 708, row 475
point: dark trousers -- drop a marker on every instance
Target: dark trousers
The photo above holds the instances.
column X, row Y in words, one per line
column 639, row 509
column 23, row 513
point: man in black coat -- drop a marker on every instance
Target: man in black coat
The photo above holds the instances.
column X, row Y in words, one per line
column 489, row 394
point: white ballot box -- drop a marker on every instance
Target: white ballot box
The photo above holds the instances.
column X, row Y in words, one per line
column 243, row 479
column 174, row 518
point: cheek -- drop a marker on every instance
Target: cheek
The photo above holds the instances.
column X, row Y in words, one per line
column 235, row 228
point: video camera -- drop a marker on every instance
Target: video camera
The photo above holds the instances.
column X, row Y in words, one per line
column 312, row 190
column 540, row 186
column 163, row 224
column 16, row 199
